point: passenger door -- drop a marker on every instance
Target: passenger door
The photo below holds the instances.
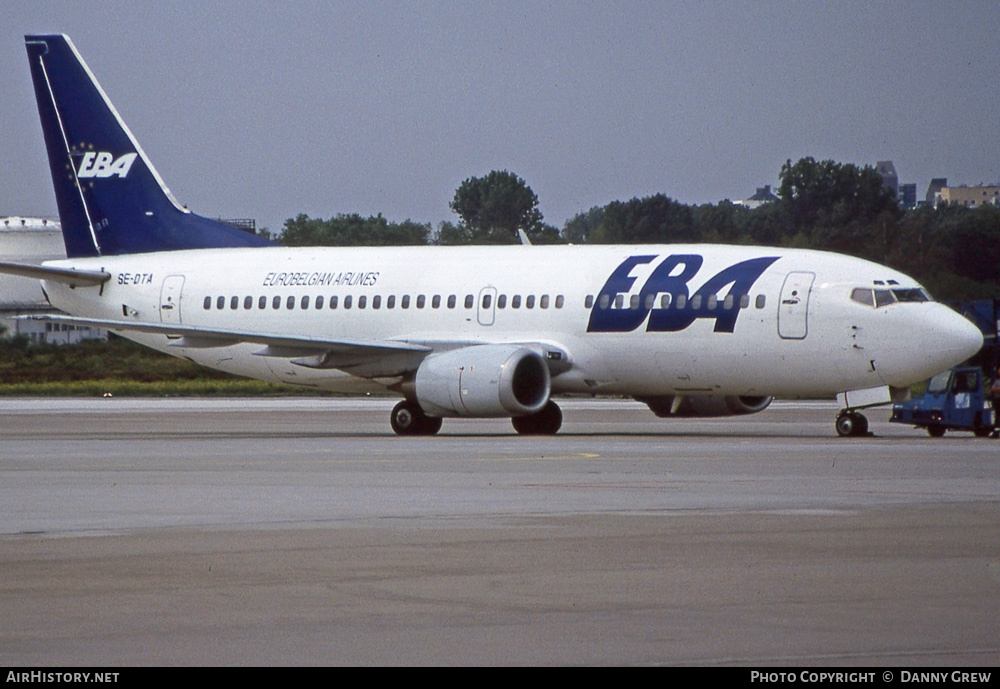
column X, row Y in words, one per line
column 170, row 299
column 793, row 309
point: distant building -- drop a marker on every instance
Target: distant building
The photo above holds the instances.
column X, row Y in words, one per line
column 908, row 195
column 970, row 197
column 887, row 171
column 763, row 195
column 905, row 194
column 934, row 190
column 33, row 240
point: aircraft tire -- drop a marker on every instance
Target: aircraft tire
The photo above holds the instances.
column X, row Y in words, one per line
column 548, row 421
column 407, row 418
column 844, row 425
column 431, row 425
column 851, row 424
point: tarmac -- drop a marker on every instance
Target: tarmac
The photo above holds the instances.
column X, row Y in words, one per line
column 294, row 531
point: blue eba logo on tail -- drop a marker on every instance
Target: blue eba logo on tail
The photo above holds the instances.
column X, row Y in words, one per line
column 104, row 164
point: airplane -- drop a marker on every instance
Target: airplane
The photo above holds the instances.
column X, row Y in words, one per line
column 487, row 331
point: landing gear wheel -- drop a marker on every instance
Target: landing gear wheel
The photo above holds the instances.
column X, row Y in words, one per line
column 545, row 422
column 407, row 418
column 851, row 424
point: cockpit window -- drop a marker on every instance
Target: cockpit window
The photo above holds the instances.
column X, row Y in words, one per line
column 863, row 296
column 884, row 297
column 913, row 294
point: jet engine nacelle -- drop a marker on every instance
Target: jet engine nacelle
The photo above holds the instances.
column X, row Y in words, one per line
column 710, row 405
column 483, row 380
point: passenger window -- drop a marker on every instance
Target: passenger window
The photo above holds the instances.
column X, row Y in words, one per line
column 650, row 301
column 220, row 303
column 452, row 301
column 348, row 300
column 681, row 300
column 290, row 303
column 529, row 302
column 305, row 303
column 376, row 302
column 208, row 303
column 362, row 302
column 319, row 303
column 421, row 300
column 487, row 300
column 588, row 303
column 760, row 301
column 262, row 303
column 729, row 302
column 436, row 301
column 333, row 302
column 234, row 303
column 633, row 302
column 515, row 301
column 559, row 302
column 470, row 301
column 276, row 303
column 248, row 302
column 712, row 300
column 405, row 303
column 605, row 301
column 502, row 301
column 744, row 301
column 696, row 302
column 619, row 301
column 390, row 301
column 665, row 301
column 544, row 301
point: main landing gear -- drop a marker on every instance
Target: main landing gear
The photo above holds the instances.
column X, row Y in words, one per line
column 544, row 422
column 851, row 424
column 408, row 418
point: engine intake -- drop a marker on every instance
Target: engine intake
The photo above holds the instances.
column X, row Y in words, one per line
column 483, row 380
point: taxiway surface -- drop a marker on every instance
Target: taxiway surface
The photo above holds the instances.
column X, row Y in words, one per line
column 292, row 531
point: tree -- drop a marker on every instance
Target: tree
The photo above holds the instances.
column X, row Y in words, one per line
column 837, row 206
column 352, row 230
column 650, row 220
column 493, row 208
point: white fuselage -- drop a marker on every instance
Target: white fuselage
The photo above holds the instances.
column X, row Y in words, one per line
column 797, row 331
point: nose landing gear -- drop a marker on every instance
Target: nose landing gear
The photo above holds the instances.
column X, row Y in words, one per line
column 850, row 423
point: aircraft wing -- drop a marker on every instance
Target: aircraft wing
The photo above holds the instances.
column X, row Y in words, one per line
column 366, row 358
column 69, row 276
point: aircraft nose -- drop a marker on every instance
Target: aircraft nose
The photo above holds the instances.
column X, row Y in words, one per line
column 950, row 338
column 929, row 340
column 968, row 339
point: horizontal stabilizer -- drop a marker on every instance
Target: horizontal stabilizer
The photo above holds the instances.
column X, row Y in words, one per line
column 68, row 276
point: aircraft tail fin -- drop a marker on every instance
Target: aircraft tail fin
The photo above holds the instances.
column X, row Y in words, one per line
column 111, row 200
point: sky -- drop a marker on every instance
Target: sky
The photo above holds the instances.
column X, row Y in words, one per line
column 270, row 109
